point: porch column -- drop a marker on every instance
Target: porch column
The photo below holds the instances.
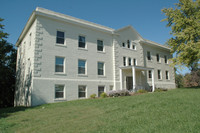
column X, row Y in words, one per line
column 153, row 84
column 134, row 81
column 120, row 77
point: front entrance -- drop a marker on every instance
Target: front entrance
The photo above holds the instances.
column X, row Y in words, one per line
column 129, row 83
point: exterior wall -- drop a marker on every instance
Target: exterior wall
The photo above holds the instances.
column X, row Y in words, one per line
column 36, row 77
column 163, row 83
column 24, row 68
column 45, row 73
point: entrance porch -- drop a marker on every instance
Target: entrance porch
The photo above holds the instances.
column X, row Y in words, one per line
column 133, row 78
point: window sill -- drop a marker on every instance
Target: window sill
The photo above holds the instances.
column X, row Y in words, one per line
column 82, row 98
column 158, row 62
column 101, row 52
column 63, row 74
column 101, row 76
column 60, row 45
column 84, row 49
column 60, row 99
column 129, row 49
column 82, row 75
column 159, row 79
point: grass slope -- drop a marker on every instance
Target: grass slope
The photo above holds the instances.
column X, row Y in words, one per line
column 173, row 111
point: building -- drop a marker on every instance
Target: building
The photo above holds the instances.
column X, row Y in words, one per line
column 62, row 58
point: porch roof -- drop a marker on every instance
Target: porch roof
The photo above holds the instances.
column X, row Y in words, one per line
column 136, row 67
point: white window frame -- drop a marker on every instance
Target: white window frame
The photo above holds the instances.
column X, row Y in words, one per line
column 124, row 61
column 160, row 74
column 103, row 68
column 134, row 61
column 166, row 58
column 84, row 91
column 158, row 61
column 130, row 61
column 103, row 90
column 85, row 42
column 85, row 67
column 150, row 73
column 63, row 65
column 167, row 74
column 150, row 56
column 98, row 45
column 55, row 91
column 60, row 37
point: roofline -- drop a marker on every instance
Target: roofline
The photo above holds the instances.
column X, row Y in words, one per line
column 155, row 44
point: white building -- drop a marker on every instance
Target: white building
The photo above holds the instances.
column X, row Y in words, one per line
column 62, row 58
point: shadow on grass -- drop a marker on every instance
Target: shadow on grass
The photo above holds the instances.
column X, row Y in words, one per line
column 6, row 112
column 197, row 87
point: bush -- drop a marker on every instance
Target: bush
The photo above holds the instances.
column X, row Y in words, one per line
column 117, row 93
column 103, row 95
column 93, row 96
column 142, row 91
column 160, row 89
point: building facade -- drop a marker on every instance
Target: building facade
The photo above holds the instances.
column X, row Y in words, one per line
column 62, row 58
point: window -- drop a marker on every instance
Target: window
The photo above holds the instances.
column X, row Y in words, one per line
column 81, row 42
column 167, row 75
column 166, row 61
column 124, row 61
column 158, row 57
column 150, row 74
column 129, row 61
column 128, row 43
column 111, row 87
column 81, row 67
column 148, row 55
column 60, row 37
column 100, row 90
column 81, row 91
column 134, row 62
column 100, row 46
column 100, row 68
column 123, row 44
column 159, row 74
column 133, row 46
column 59, row 91
column 59, row 64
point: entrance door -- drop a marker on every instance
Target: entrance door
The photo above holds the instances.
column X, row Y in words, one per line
column 129, row 83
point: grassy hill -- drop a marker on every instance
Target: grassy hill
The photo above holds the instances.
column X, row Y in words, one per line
column 172, row 111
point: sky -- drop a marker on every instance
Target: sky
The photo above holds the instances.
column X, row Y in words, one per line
column 144, row 15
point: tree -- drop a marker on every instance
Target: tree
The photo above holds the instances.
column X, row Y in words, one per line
column 184, row 21
column 7, row 70
column 192, row 79
column 179, row 80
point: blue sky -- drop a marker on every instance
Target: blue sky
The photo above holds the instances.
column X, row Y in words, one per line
column 144, row 15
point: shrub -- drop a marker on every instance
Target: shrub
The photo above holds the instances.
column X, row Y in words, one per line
column 142, row 91
column 93, row 96
column 117, row 93
column 103, row 95
column 160, row 89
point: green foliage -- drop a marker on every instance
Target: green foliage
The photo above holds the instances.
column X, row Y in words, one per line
column 142, row 91
column 103, row 95
column 7, row 70
column 192, row 79
column 179, row 80
column 93, row 96
column 185, row 26
column 160, row 90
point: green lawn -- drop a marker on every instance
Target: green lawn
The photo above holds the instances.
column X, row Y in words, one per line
column 172, row 111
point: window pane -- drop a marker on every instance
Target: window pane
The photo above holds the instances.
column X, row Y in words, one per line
column 129, row 61
column 159, row 74
column 81, row 66
column 148, row 55
column 158, row 57
column 124, row 61
column 59, row 91
column 81, row 43
column 60, row 34
column 99, row 45
column 82, row 91
column 167, row 73
column 100, row 90
column 100, row 68
column 150, row 76
column 60, row 37
column 59, row 64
